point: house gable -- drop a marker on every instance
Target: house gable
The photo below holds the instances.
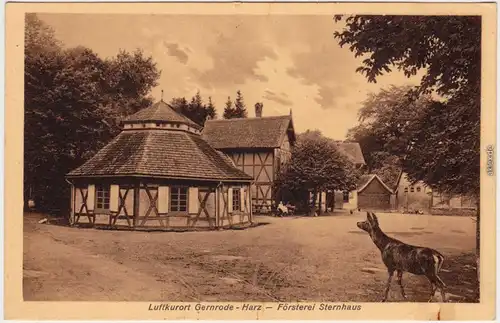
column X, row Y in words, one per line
column 374, row 185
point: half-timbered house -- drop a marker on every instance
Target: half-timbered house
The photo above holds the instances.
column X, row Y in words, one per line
column 258, row 146
column 159, row 172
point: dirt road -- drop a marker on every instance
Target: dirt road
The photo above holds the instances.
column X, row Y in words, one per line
column 287, row 259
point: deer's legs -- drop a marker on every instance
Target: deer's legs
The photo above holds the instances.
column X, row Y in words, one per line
column 441, row 286
column 436, row 283
column 400, row 283
column 388, row 286
column 433, row 290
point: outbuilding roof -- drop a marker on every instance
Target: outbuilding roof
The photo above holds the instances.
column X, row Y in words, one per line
column 365, row 180
column 160, row 153
column 263, row 132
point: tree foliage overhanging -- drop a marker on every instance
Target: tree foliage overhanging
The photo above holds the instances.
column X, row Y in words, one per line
column 444, row 150
column 73, row 102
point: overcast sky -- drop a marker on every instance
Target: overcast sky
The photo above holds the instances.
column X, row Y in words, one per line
column 286, row 62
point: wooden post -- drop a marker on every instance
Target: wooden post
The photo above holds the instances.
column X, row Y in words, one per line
column 136, row 202
column 250, row 217
column 73, row 205
column 320, row 202
column 217, row 206
column 230, row 222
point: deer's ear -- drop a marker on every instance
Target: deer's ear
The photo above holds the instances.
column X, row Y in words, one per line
column 375, row 219
column 369, row 217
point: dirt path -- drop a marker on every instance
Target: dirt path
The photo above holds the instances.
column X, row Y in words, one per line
column 290, row 259
column 54, row 270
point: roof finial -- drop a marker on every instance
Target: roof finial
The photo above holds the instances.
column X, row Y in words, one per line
column 161, row 95
column 290, row 112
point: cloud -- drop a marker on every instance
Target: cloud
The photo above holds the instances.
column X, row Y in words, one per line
column 281, row 98
column 234, row 61
column 175, row 51
column 328, row 96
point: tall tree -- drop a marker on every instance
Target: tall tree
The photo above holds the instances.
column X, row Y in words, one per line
column 388, row 120
column 38, row 36
column 229, row 110
column 239, row 106
column 211, row 111
column 316, row 165
column 130, row 78
column 195, row 110
column 70, row 107
column 179, row 104
column 449, row 49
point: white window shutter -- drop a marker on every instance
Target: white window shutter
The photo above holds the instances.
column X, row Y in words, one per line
column 248, row 200
column 194, row 203
column 113, row 198
column 91, row 197
column 243, row 199
column 163, row 199
column 230, row 199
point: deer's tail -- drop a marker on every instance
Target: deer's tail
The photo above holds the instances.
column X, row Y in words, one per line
column 438, row 260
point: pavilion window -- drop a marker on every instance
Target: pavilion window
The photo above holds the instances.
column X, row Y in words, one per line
column 236, row 199
column 178, row 199
column 102, row 197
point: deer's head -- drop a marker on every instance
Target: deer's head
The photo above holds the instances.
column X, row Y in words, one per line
column 370, row 224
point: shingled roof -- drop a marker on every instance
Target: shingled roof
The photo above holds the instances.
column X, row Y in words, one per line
column 159, row 112
column 160, row 153
column 264, row 132
column 353, row 151
column 364, row 180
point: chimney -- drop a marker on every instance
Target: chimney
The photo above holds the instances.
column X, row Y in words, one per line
column 258, row 109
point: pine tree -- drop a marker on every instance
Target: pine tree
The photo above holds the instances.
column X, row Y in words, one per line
column 229, row 111
column 239, row 105
column 210, row 109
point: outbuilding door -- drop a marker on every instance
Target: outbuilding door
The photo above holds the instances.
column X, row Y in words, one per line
column 374, row 201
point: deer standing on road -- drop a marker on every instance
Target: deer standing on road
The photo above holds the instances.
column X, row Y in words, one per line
column 401, row 257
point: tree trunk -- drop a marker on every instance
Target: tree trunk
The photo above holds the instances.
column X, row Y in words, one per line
column 312, row 210
column 320, row 202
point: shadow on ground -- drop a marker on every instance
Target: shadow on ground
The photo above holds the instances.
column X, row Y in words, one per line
column 458, row 273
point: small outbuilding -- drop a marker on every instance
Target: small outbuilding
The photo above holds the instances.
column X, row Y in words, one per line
column 159, row 172
column 373, row 193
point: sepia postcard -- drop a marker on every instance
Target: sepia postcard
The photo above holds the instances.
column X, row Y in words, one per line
column 271, row 161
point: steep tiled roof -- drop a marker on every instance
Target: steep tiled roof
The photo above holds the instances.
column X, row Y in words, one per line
column 161, row 153
column 364, row 180
column 160, row 111
column 353, row 151
column 265, row 132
